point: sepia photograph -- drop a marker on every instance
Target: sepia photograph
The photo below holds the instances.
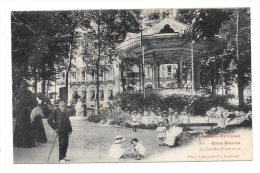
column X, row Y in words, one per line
column 131, row 85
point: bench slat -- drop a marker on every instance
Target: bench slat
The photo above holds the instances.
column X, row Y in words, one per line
column 197, row 124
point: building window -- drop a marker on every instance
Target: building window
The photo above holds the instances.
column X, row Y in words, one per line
column 75, row 95
column 169, row 70
column 74, row 75
column 101, row 95
column 63, row 76
column 111, row 96
column 92, row 95
column 84, row 93
column 93, row 74
column 83, row 75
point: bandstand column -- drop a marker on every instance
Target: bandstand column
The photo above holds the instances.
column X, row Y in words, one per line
column 154, row 71
column 180, row 70
column 158, row 75
column 140, row 77
column 126, row 76
column 196, row 73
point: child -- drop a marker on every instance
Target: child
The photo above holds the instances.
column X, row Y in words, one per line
column 116, row 151
column 165, row 120
column 135, row 120
column 161, row 133
column 139, row 150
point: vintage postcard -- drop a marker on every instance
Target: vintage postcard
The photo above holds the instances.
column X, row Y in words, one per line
column 131, row 85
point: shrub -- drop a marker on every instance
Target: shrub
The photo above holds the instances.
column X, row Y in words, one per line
column 94, row 119
column 197, row 105
column 127, row 124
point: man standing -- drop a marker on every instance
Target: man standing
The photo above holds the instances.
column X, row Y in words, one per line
column 60, row 123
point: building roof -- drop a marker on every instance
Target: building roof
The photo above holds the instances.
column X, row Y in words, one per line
column 155, row 29
column 175, row 25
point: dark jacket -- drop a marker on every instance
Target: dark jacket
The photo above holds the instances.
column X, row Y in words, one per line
column 59, row 120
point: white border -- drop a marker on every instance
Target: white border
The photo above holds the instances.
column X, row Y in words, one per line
column 6, row 157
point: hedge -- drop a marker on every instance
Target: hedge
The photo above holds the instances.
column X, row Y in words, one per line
column 196, row 105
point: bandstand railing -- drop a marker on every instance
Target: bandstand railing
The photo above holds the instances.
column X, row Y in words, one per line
column 174, row 91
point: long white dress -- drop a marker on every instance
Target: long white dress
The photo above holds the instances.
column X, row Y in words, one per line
column 79, row 109
column 116, row 151
column 173, row 132
column 171, row 135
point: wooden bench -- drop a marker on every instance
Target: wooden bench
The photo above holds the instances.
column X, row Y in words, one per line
column 211, row 125
column 189, row 135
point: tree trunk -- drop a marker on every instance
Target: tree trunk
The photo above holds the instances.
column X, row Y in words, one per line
column 48, row 85
column 97, row 82
column 35, row 81
column 213, row 86
column 97, row 64
column 240, row 92
column 43, row 85
column 67, row 72
column 122, row 79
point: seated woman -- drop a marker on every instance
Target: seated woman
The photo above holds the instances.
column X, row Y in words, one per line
column 173, row 132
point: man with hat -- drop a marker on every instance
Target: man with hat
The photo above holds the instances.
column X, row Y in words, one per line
column 116, row 151
column 60, row 123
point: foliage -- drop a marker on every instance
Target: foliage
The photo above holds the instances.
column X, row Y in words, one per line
column 206, row 23
column 196, row 105
column 108, row 29
column 94, row 119
column 209, row 23
column 185, row 15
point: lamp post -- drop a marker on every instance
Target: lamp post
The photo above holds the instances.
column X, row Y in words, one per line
column 142, row 47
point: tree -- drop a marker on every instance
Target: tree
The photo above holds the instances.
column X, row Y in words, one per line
column 108, row 28
column 206, row 24
column 185, row 15
column 238, row 50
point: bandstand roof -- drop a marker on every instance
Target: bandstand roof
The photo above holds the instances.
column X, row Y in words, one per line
column 165, row 48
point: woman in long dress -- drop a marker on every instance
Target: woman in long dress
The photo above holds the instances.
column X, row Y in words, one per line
column 38, row 128
column 173, row 132
column 23, row 132
column 79, row 109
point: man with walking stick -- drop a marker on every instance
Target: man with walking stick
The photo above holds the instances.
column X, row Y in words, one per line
column 60, row 123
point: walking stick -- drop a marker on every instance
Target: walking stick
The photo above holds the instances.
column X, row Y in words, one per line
column 52, row 146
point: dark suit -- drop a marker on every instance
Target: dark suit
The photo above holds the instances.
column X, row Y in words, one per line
column 60, row 120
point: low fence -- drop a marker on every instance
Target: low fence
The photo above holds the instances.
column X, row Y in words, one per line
column 176, row 91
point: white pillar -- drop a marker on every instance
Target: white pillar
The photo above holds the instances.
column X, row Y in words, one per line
column 76, row 75
column 112, row 71
column 180, row 68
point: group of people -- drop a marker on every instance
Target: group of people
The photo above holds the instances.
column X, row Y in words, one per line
column 29, row 128
column 167, row 129
column 117, row 150
column 226, row 117
column 168, row 133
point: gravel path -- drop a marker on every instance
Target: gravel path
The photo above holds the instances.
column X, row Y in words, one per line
column 91, row 142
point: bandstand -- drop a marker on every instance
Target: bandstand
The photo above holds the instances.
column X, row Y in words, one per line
column 163, row 44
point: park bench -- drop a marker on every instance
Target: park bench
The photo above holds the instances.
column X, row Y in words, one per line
column 188, row 135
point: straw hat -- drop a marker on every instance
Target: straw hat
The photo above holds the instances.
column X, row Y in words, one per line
column 119, row 139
